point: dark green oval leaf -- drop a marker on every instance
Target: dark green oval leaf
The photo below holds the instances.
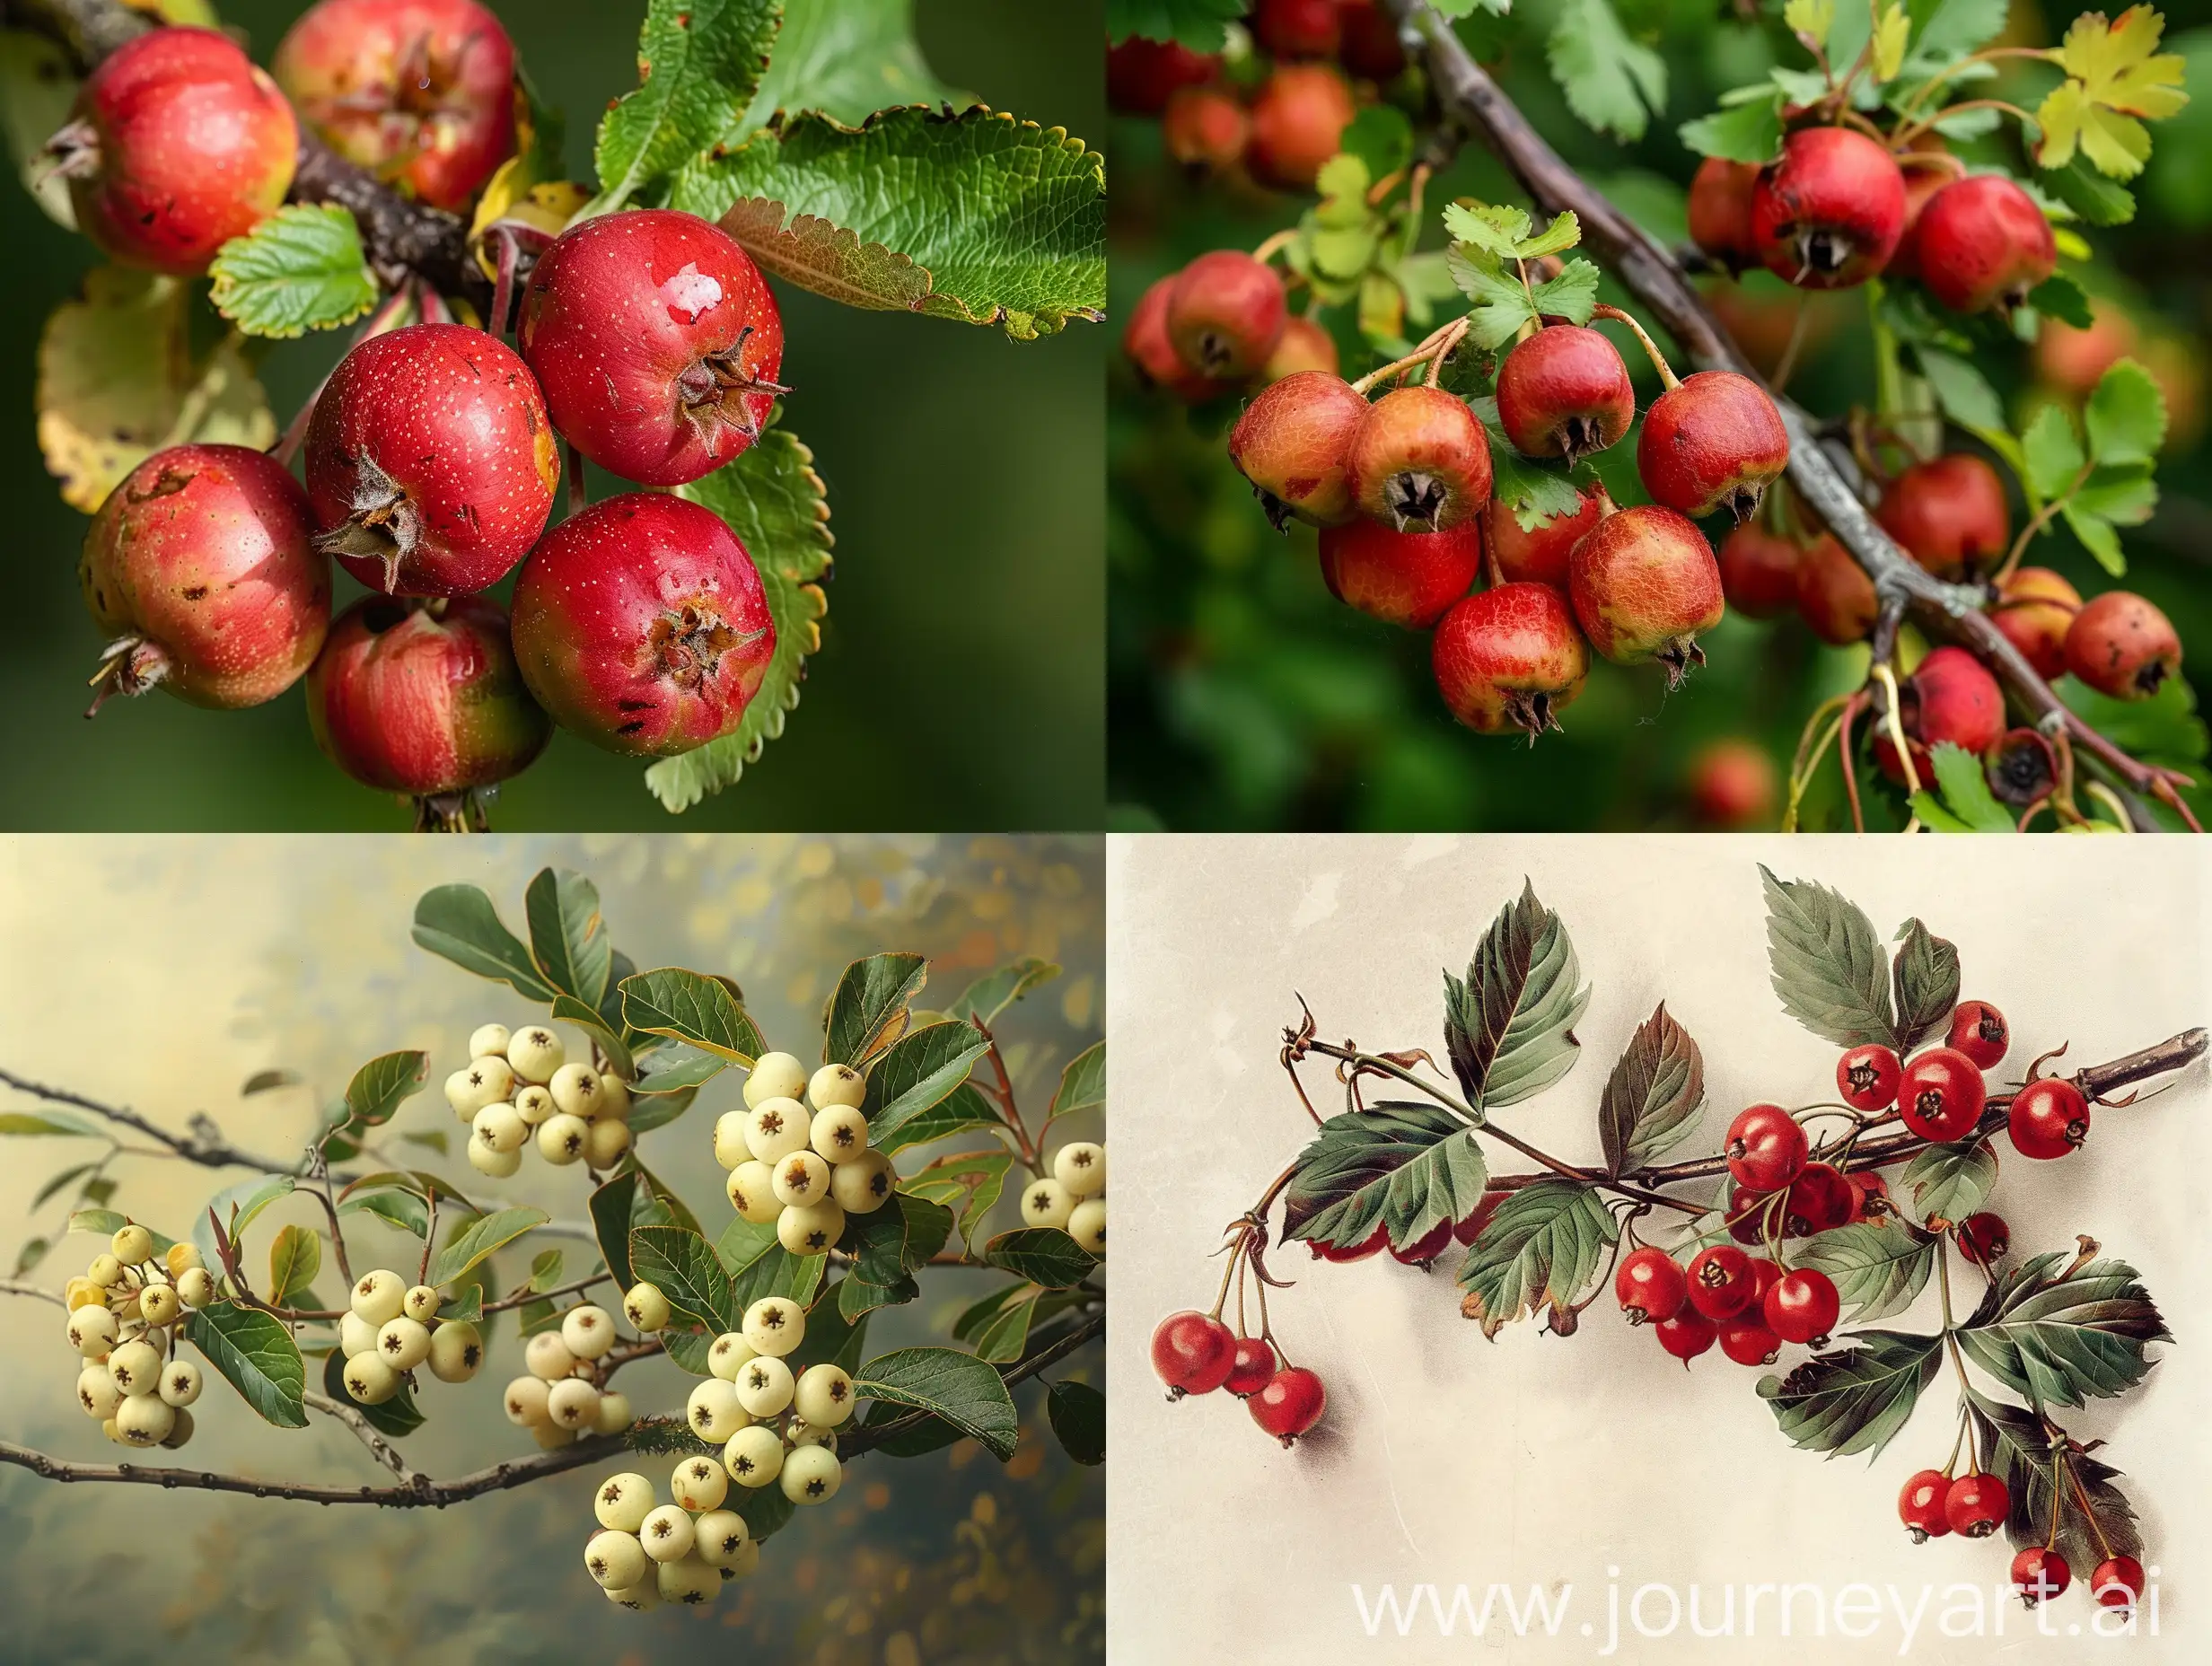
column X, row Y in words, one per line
column 916, row 1074
column 683, row 1266
column 1854, row 1398
column 568, row 938
column 869, row 1010
column 484, row 1235
column 1078, row 1415
column 1653, row 1098
column 459, row 923
column 1044, row 1255
column 957, row 1387
column 693, row 1008
column 257, row 1355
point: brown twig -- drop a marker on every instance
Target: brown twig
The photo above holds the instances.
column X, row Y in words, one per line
column 203, row 1144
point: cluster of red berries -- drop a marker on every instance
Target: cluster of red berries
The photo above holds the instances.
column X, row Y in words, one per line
column 648, row 340
column 1975, row 1504
column 1196, row 1353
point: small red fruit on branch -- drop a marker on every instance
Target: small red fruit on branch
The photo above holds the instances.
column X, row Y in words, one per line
column 1420, row 461
column 1758, row 571
column 1950, row 696
column 1292, row 443
column 1803, row 1307
column 1225, row 313
column 1949, row 513
column 1979, row 1030
column 1540, row 555
column 1982, row 242
column 1765, row 1148
column 1867, row 1077
column 1508, row 659
column 1714, row 442
column 1940, row 1095
column 1298, row 121
column 2121, row 645
column 1142, row 75
column 1976, row 1505
column 1145, row 339
column 1204, row 129
column 1193, row 1353
column 1720, row 212
column 1564, row 392
column 1644, row 584
column 1835, row 597
column 1650, row 1285
column 2039, row 1574
column 1290, row 1405
column 2035, row 609
column 1253, row 1368
column 1830, row 212
column 1401, row 578
column 1984, row 1238
column 2050, row 1118
column 1921, row 1505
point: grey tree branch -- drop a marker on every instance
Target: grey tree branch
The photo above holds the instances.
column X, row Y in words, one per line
column 380, row 1449
column 203, row 1144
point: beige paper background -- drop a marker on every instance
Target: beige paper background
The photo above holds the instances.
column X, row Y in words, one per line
column 1541, row 1460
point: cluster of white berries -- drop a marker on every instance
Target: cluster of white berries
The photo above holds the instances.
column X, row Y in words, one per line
column 391, row 1327
column 122, row 1313
column 804, row 1170
column 566, row 1396
column 773, row 1430
column 521, row 1081
column 1074, row 1198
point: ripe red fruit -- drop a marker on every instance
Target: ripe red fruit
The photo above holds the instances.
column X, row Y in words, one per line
column 1921, row 1505
column 1204, row 129
column 1977, row 1029
column 657, row 341
column 1751, row 1213
column 1292, row 443
column 1745, row 1339
column 2118, row 1583
column 1976, row 1504
column 1401, row 578
column 1145, row 339
column 1375, row 1243
column 1253, row 1369
column 1539, row 557
column 1732, row 785
column 1940, row 1095
column 1193, row 1353
column 424, row 701
column 1819, row 1199
column 1650, row 1285
column 1564, row 392
column 421, row 93
column 1142, row 75
column 1923, row 179
column 1803, row 1307
column 641, row 625
column 1758, row 571
column 1950, row 696
column 1467, row 1230
column 1834, row 595
column 1712, row 442
column 1643, row 583
column 1291, row 1404
column 1420, row 462
column 2121, row 645
column 1225, row 313
column 1870, row 1198
column 1765, row 1148
column 1304, row 346
column 1984, row 1238
column 1687, row 1335
column 177, row 144
column 1867, row 1077
column 2050, row 1118
column 1721, row 1280
column 1981, row 241
column 1296, row 28
column 1720, row 211
column 1828, row 213
column 2034, row 609
column 202, row 570
column 1508, row 659
column 2039, row 1574
column 1298, row 122
column 1370, row 46
column 1424, row 1249
column 431, row 462
column 1949, row 513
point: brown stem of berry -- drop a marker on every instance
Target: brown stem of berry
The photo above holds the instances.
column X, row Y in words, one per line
column 1667, row 377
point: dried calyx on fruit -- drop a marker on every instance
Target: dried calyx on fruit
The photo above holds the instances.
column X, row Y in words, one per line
column 1828, row 212
column 1507, row 659
column 1644, row 584
column 1420, row 461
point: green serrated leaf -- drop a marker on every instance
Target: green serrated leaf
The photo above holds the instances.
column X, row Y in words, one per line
column 1542, row 1247
column 1202, row 25
column 1746, row 132
column 483, row 1235
column 1510, row 1024
column 2015, row 1445
column 1614, row 83
column 1879, row 1270
column 847, row 61
column 1826, row 965
column 1652, row 1099
column 2125, row 415
column 1949, row 1182
column 2061, row 1335
column 1854, row 1398
column 302, row 268
column 1965, row 789
column 1926, row 979
column 957, row 1387
column 698, row 64
column 256, row 1356
column 1571, row 294
column 1403, row 1167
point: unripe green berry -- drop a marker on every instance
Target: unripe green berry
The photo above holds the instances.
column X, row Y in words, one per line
column 801, row 1179
column 526, row 1403
column 775, row 1075
column 763, row 1385
column 144, row 1420
column 421, row 1304
column 196, row 1287
column 864, row 1185
column 105, row 1270
column 488, row 1040
column 810, row 1228
column 645, row 1308
column 486, row 1082
column 727, row 1353
column 369, row 1381
column 811, row 1475
column 751, row 1189
column 720, row 1537
column 181, row 1259
column 547, row 1357
column 623, row 1501
column 494, row 1164
column 753, row 1456
column 136, row 1370
column 456, row 1351
column 573, row 1403
column 158, row 1304
column 574, row 1087
column 614, row 1413
column 180, row 1382
column 835, row 1084
column 824, row 1395
column 403, row 1343
column 777, row 1128
column 689, row 1581
column 533, row 1105
column 535, row 1053
column 1046, row 1203
column 355, row 1335
column 713, row 1410
column 666, row 1533
column 603, row 1147
column 378, row 1296
column 561, row 1138
column 587, row 1331
column 616, row 1559
column 500, row 1126
column 92, row 1331
column 132, row 1244
column 730, row 1148
column 700, row 1484
column 775, row 1326
column 1086, row 1224
column 838, row 1134
column 1081, row 1167
column 97, row 1393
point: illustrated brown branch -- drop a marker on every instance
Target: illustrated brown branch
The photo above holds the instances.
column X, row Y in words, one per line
column 380, row 1449
column 204, row 1143
column 1826, row 478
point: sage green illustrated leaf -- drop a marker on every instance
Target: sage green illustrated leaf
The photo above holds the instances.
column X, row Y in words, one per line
column 957, row 1387
column 1878, row 1270
column 684, row 1268
column 1950, row 1182
column 1541, row 1248
column 1854, row 1398
column 484, row 1235
column 567, row 937
column 2014, row 1445
column 776, row 503
column 847, row 58
column 916, row 1074
column 694, row 1009
column 869, row 1008
column 380, row 1087
column 1927, row 975
column 698, row 64
column 459, row 922
column 300, row 269
column 1653, row 1098
column 1510, row 1025
column 1403, row 1167
column 993, row 222
column 1826, row 965
column 2063, row 1336
column 257, row 1355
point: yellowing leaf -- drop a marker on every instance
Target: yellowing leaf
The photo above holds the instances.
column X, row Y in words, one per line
column 2112, row 77
column 1812, row 19
column 1893, row 31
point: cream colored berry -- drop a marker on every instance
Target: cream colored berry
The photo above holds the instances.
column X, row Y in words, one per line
column 801, row 1178
column 500, row 1126
column 403, row 1343
column 180, row 1382
column 645, row 1595
column 456, row 1351
column 158, row 1304
column 1081, row 1167
column 713, row 1410
column 614, row 1095
column 132, row 1244
column 763, row 1387
column 744, row 1564
column 104, row 1270
column 155, row 1337
column 573, row 1403
column 82, row 1291
column 484, row 1082
column 378, row 1296
column 616, row 1559
column 181, row 1259
column 824, row 1395
column 109, row 1429
column 144, row 1420
column 753, row 1456
column 727, row 1353
column 533, row 1104
column 775, row 1326
column 730, row 1140
column 751, row 1190
column 622, row 1501
column 835, row 1084
column 838, row 1134
column 864, row 1185
column 420, row 1303
column 811, row 1475
column 587, row 1330
column 1046, row 1203
column 689, row 1581
column 614, row 1413
column 355, row 1335
column 666, row 1533
column 179, row 1429
column 551, row 1437
column 97, row 1393
column 1086, row 1224
column 645, row 1308
column 369, row 1381
column 575, row 1088
column 92, row 1331
column 495, row 1164
column 720, row 1537
column 134, row 1368
column 536, row 1053
column 526, row 1403
column 700, row 1484
column 810, row 1228
column 561, row 1138
column 775, row 1075
column 604, row 1145
column 487, row 1041
column 777, row 1128
column 196, row 1287
column 798, row 1431
column 547, row 1355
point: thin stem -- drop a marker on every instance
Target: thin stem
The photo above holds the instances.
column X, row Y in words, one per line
column 1892, row 720
column 1274, row 245
column 205, row 1144
column 1850, row 772
column 1667, row 378
column 1913, row 130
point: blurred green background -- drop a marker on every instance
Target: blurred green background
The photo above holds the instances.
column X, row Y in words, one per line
column 960, row 683
column 1241, row 694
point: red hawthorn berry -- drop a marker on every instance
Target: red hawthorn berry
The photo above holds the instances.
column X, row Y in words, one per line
column 1204, row 129
column 2039, row 1574
column 1927, row 167
column 1834, row 595
column 1373, row 1244
column 1712, row 443
column 1745, row 1339
column 1828, row 213
column 2118, row 1583
column 1371, row 47
column 1296, row 28
column 1984, row 1238
column 1142, row 75
column 1193, row 1353
column 1976, row 1505
column 1950, row 515
column 1753, row 1216
column 1732, row 785
column 1291, row 1404
column 1758, row 571
column 1420, row 462
column 1424, row 1249
column 1921, row 1505
column 1298, row 121
column 2121, row 645
column 1870, row 1198
column 1687, row 1335
column 1564, row 392
column 1225, row 314
column 2034, row 609
column 2050, row 1118
column 1765, row 1148
column 1252, row 1368
column 1644, row 584
column 1720, row 212
column 2021, row 768
column 1294, row 442
column 1803, row 1307
column 1467, row 1230
column 1305, row 345
column 1144, row 338
column 1940, row 1095
column 1539, row 556
column 1867, row 1077
column 1507, row 660
column 1950, row 696
column 1401, row 578
column 1721, row 1280
column 1650, row 1285
column 1980, row 243
column 1819, row 1198
column 1977, row 1029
